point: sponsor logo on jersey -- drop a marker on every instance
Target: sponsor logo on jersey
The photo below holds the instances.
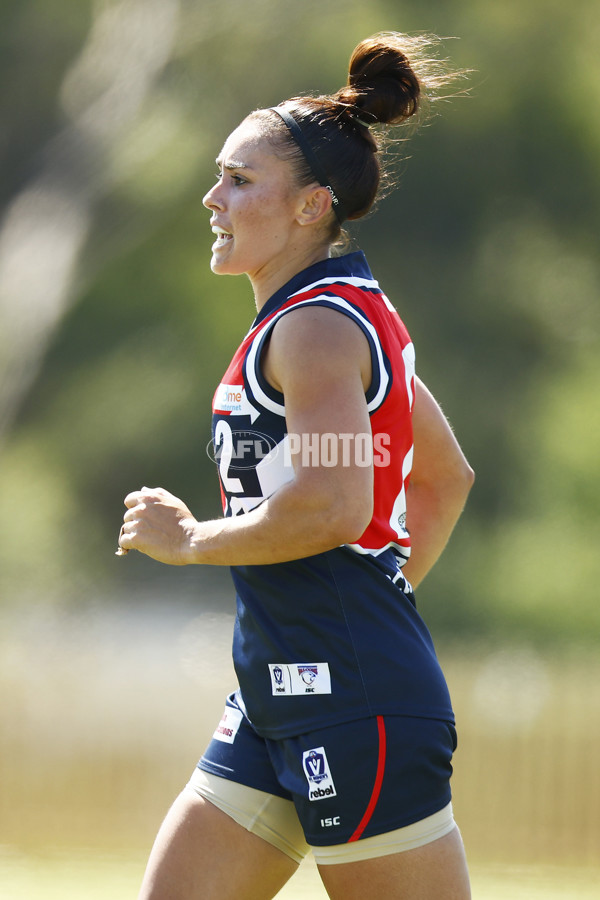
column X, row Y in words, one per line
column 228, row 727
column 292, row 679
column 229, row 398
column 318, row 774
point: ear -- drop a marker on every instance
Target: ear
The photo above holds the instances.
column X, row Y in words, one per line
column 314, row 205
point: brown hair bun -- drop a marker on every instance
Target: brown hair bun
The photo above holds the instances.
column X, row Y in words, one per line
column 390, row 75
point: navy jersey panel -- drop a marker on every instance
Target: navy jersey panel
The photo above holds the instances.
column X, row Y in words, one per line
column 336, row 636
column 348, row 641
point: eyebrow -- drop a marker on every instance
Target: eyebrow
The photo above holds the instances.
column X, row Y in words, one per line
column 234, row 164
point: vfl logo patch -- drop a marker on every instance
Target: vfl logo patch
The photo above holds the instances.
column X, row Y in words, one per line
column 318, row 774
column 228, row 726
column 299, row 678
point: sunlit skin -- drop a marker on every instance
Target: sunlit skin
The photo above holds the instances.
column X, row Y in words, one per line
column 266, row 215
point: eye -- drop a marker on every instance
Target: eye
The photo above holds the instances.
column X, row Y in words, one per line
column 238, row 180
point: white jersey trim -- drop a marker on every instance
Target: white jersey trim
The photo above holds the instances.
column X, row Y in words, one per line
column 252, row 362
column 369, row 284
column 375, row 551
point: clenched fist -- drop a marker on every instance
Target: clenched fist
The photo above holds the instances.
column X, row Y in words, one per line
column 158, row 524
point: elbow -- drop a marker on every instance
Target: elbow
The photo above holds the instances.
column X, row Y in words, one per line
column 350, row 532
column 458, row 476
column 345, row 522
column 447, row 488
column 458, row 486
column 351, row 522
column 338, row 510
column 467, row 476
column 458, row 483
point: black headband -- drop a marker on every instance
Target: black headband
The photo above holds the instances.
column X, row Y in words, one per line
column 310, row 157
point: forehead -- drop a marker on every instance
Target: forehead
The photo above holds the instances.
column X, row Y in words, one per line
column 248, row 146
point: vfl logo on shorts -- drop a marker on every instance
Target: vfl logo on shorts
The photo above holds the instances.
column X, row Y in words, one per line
column 299, row 678
column 318, row 774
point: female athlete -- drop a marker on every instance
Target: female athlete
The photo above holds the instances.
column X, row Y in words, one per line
column 341, row 483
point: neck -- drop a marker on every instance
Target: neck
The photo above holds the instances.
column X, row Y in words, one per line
column 265, row 283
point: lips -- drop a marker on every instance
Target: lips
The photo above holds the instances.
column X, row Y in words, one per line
column 223, row 237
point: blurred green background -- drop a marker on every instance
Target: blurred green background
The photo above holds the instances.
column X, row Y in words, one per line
column 114, row 334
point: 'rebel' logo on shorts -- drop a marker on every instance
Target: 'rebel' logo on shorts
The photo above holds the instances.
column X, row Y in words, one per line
column 318, row 774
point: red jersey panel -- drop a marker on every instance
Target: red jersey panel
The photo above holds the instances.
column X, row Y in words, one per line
column 252, row 445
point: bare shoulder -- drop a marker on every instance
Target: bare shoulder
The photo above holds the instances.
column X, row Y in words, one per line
column 319, row 342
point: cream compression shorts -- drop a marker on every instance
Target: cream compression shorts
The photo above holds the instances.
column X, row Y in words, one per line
column 275, row 820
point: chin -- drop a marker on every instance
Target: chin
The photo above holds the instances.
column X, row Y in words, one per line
column 225, row 267
column 218, row 267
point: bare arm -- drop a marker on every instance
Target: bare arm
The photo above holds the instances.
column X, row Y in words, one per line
column 440, row 482
column 321, row 362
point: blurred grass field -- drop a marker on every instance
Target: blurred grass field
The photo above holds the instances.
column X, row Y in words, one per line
column 98, row 876
column 104, row 714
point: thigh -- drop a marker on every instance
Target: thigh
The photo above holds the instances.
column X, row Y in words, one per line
column 201, row 852
column 436, row 871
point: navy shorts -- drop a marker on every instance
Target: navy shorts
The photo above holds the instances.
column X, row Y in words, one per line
column 347, row 782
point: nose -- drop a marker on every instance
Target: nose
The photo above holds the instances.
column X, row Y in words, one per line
column 211, row 199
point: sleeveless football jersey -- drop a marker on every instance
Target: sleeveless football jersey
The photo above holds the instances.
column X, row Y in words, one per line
column 335, row 636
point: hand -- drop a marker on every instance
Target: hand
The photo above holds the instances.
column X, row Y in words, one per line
column 158, row 524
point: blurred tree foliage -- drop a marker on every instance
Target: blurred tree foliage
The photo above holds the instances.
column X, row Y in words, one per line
column 115, row 333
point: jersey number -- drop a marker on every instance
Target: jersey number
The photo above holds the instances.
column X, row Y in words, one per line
column 224, row 444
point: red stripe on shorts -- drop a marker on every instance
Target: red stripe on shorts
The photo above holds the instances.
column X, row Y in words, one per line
column 378, row 782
